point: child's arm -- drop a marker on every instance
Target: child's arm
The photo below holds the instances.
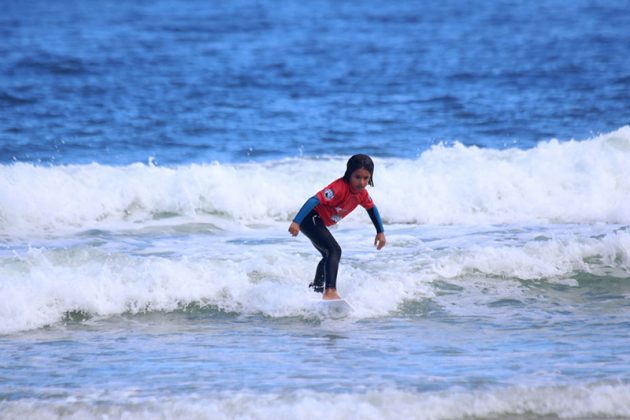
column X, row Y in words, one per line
column 379, row 240
column 376, row 219
column 310, row 204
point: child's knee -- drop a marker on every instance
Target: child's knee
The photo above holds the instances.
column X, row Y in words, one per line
column 335, row 252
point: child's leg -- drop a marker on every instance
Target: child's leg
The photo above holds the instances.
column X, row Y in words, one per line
column 320, row 278
column 325, row 243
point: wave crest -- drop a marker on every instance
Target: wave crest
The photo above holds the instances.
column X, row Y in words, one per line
column 566, row 182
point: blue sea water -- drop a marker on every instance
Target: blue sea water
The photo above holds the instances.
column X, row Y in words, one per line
column 153, row 154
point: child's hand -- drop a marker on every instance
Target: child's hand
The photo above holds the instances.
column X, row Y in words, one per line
column 294, row 229
column 380, row 241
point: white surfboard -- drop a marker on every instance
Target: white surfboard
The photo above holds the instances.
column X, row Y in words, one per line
column 337, row 308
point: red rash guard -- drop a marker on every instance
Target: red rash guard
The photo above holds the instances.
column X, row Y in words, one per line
column 337, row 201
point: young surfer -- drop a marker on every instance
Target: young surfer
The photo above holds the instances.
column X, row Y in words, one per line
column 328, row 207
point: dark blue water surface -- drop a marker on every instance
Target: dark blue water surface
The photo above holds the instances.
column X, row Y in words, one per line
column 190, row 81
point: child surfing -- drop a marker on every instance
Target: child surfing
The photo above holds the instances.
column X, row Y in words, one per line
column 328, row 207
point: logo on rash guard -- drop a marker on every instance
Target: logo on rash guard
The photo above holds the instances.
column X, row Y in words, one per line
column 329, row 194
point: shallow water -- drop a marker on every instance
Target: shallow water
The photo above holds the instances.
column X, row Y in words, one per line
column 436, row 324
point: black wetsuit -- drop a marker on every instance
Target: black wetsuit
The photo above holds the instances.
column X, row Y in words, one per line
column 313, row 227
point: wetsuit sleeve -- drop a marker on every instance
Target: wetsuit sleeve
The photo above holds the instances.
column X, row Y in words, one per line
column 310, row 204
column 376, row 219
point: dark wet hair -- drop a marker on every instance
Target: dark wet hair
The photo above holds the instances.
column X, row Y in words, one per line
column 359, row 162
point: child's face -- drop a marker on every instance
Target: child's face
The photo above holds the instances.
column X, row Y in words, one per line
column 359, row 179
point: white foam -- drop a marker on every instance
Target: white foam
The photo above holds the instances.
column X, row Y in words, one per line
column 565, row 182
column 40, row 286
column 556, row 181
column 571, row 401
column 539, row 259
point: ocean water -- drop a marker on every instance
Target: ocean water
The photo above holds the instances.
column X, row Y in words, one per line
column 153, row 154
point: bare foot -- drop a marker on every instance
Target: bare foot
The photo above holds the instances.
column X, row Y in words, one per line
column 331, row 294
